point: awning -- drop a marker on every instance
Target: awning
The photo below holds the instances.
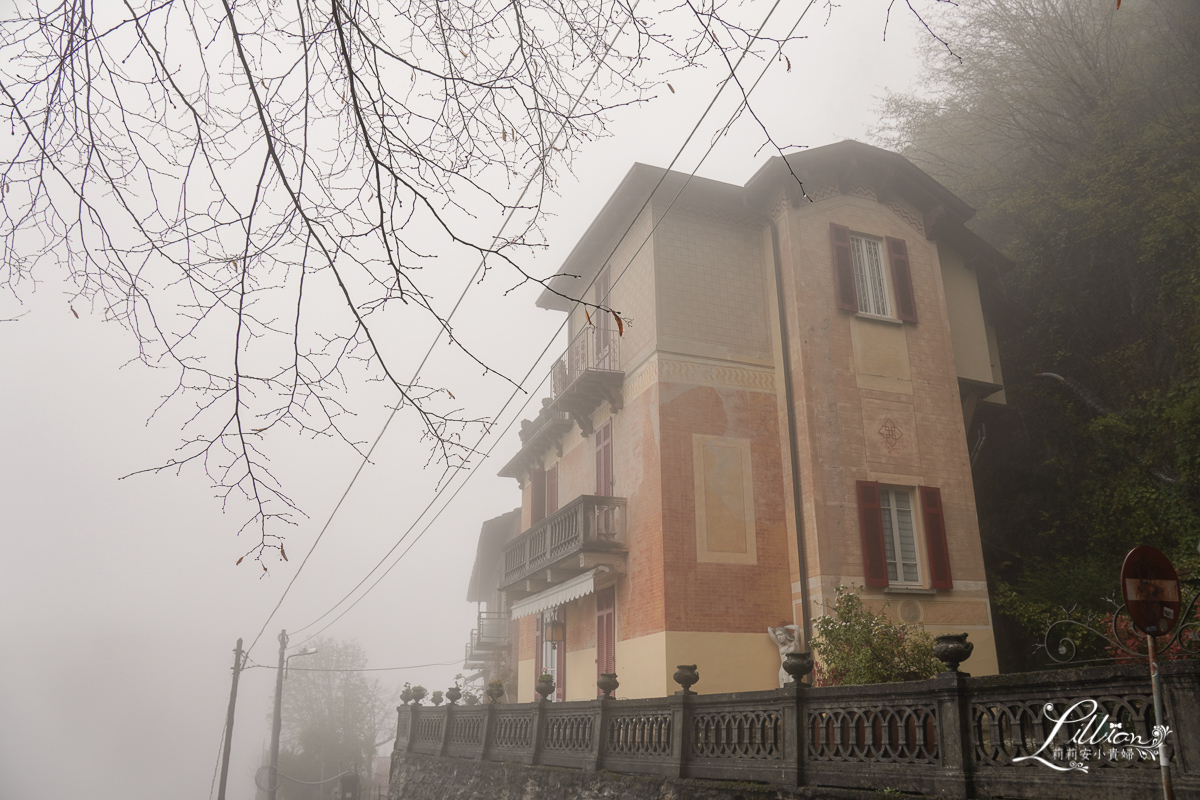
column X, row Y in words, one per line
column 579, row 586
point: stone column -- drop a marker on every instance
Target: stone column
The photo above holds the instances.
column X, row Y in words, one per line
column 447, row 720
column 956, row 778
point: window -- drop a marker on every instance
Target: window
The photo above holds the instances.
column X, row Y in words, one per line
column 869, row 283
column 537, row 495
column 899, row 541
column 543, row 493
column 890, row 540
column 605, row 519
column 862, row 283
column 604, row 460
column 552, row 490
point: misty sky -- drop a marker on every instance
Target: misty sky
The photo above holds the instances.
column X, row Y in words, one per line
column 119, row 599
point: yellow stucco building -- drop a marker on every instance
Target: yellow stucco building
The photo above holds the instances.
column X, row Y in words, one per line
column 785, row 406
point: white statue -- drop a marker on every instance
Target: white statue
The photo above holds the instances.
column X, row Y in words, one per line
column 787, row 639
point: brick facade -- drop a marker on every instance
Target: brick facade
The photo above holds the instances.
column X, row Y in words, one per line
column 700, row 429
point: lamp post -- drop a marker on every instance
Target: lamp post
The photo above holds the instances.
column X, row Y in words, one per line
column 276, row 721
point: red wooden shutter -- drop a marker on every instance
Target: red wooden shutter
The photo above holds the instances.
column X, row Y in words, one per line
column 537, row 495
column 552, row 490
column 843, row 267
column 537, row 647
column 870, row 526
column 906, row 301
column 606, row 630
column 514, row 644
column 935, row 538
column 604, row 475
column 560, row 669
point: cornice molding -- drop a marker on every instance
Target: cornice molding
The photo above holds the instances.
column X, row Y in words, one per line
column 702, row 373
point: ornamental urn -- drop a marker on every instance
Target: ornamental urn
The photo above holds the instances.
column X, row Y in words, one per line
column 686, row 676
column 797, row 665
column 545, row 685
column 952, row 649
column 607, row 684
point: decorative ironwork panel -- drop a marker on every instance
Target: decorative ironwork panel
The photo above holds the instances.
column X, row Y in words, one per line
column 429, row 728
column 513, row 731
column 639, row 734
column 596, row 348
column 881, row 734
column 756, row 734
column 1114, row 637
column 1101, row 731
column 465, row 730
column 559, row 377
column 568, row 732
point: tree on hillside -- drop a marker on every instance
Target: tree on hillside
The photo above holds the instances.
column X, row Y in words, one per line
column 254, row 189
column 1072, row 126
column 333, row 717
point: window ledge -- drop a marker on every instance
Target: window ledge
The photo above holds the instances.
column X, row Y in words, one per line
column 908, row 590
column 877, row 318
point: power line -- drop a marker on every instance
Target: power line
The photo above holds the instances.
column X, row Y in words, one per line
column 445, row 327
column 544, row 350
column 400, row 541
column 216, row 767
column 743, row 103
column 360, row 669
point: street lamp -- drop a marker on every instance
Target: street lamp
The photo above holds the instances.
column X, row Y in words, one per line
column 287, row 661
column 273, row 777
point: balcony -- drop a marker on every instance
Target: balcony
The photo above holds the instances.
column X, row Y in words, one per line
column 472, row 659
column 488, row 640
column 492, row 633
column 586, row 375
column 588, row 532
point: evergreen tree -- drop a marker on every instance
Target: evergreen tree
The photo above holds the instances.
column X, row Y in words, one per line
column 1074, row 127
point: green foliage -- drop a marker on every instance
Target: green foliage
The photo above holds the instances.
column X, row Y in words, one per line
column 1071, row 125
column 855, row 645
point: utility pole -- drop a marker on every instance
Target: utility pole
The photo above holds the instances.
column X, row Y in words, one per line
column 276, row 722
column 237, row 671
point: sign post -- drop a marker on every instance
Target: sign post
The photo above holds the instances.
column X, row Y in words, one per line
column 1150, row 586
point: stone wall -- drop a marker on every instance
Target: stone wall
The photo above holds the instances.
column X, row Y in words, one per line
column 418, row 777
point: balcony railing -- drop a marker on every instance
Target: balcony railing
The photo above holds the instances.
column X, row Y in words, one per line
column 586, row 375
column 953, row 736
column 473, row 659
column 492, row 633
column 593, row 349
column 587, row 523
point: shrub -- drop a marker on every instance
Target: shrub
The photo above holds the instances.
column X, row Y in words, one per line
column 855, row 645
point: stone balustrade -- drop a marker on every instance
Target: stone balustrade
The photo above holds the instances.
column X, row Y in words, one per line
column 953, row 736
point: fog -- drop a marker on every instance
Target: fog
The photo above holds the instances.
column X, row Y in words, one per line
column 120, row 601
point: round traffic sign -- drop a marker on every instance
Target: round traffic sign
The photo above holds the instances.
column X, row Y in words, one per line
column 1151, row 589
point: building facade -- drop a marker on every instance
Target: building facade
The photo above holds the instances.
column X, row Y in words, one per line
column 782, row 406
